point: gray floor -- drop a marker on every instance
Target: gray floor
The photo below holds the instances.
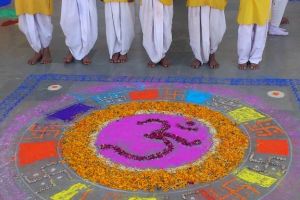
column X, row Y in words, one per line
column 280, row 58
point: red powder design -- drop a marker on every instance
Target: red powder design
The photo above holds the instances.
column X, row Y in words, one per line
column 277, row 147
column 9, row 22
column 144, row 95
column 32, row 152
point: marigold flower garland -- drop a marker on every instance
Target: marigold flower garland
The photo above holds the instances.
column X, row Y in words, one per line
column 81, row 156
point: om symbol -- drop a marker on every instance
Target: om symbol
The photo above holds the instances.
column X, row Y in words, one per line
column 162, row 134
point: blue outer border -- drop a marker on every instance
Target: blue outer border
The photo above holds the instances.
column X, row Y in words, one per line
column 32, row 81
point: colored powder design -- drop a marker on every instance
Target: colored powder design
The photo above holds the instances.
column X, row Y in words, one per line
column 9, row 22
column 8, row 14
column 197, row 97
column 4, row 2
column 154, row 141
column 149, row 94
column 142, row 198
column 33, row 152
column 70, row 113
column 256, row 178
column 275, row 147
column 69, row 193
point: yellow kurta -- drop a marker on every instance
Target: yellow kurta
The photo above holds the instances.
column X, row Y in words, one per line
column 165, row 2
column 217, row 4
column 34, row 7
column 119, row 1
column 254, row 12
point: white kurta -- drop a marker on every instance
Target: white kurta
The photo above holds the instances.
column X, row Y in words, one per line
column 119, row 19
column 278, row 8
column 156, row 21
column 79, row 23
column 251, row 43
column 207, row 27
column 37, row 29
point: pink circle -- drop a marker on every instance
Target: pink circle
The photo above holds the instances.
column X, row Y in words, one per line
column 156, row 141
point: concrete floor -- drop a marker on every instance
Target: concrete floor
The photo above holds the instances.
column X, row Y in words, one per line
column 280, row 58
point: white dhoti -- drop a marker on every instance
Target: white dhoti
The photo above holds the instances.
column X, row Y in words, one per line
column 251, row 43
column 79, row 23
column 119, row 19
column 278, row 8
column 156, row 21
column 207, row 27
column 37, row 29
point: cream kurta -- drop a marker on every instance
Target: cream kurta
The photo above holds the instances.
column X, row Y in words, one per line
column 119, row 20
column 37, row 29
column 156, row 22
column 79, row 23
column 207, row 26
column 278, row 8
column 35, row 22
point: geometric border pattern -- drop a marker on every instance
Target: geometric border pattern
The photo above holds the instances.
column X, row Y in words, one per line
column 33, row 80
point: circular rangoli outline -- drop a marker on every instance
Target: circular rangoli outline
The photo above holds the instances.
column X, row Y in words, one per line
column 81, row 156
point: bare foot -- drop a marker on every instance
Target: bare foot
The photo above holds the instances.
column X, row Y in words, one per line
column 115, row 58
column 37, row 57
column 86, row 60
column 212, row 63
column 123, row 58
column 243, row 66
column 285, row 20
column 253, row 66
column 151, row 64
column 69, row 58
column 196, row 64
column 46, row 59
column 165, row 62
